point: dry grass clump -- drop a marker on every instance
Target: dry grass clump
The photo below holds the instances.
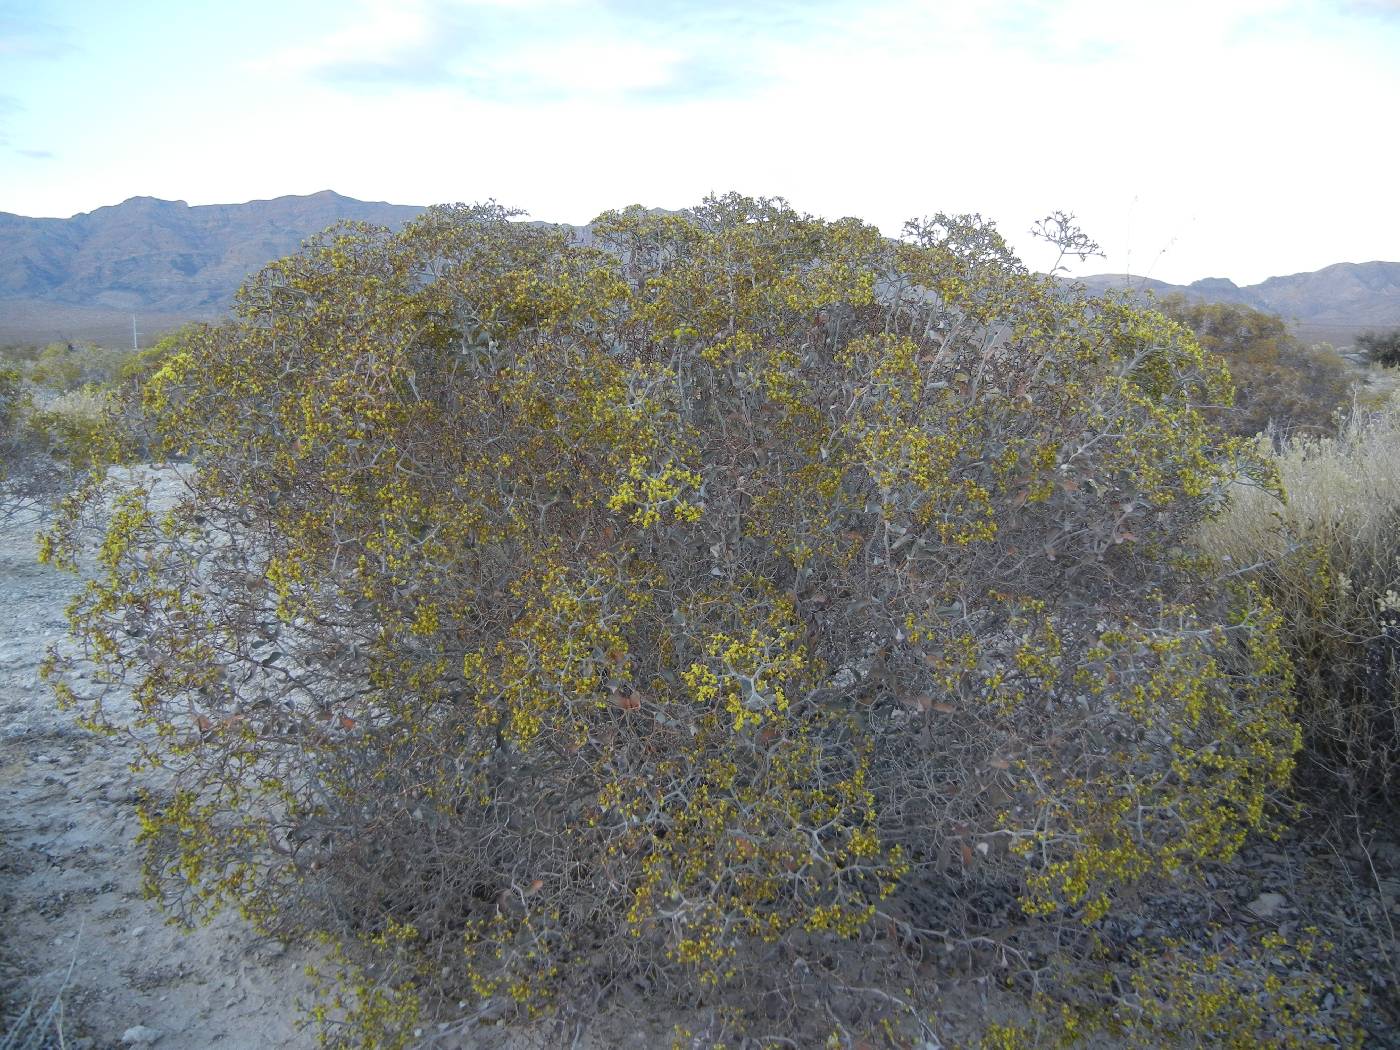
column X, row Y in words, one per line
column 35, row 1028
column 746, row 613
column 39, row 1024
column 1328, row 557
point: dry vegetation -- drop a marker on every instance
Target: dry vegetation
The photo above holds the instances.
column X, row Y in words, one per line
column 52, row 401
column 1280, row 384
column 1329, row 559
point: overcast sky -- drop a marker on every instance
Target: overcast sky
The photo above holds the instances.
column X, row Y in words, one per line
column 1193, row 138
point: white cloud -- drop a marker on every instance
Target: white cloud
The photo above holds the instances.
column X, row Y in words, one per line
column 1196, row 139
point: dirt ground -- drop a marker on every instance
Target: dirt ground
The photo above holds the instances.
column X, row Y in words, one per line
column 71, row 907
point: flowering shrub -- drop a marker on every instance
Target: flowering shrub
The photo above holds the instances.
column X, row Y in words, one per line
column 716, row 610
column 1281, row 384
column 1275, row 993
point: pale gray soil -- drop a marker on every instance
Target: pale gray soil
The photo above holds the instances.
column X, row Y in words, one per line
column 70, row 880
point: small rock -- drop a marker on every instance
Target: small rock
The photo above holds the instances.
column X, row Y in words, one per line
column 495, row 1009
column 140, row 1035
column 137, row 931
column 1267, row 905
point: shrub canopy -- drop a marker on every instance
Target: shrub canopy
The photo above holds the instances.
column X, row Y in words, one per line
column 1383, row 348
column 726, row 607
column 1280, row 382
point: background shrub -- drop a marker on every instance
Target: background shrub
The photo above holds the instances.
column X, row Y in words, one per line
column 1383, row 348
column 730, row 611
column 1279, row 382
column 29, row 472
column 64, row 367
column 1328, row 556
column 53, row 406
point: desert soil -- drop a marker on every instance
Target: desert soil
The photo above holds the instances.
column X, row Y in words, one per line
column 70, row 875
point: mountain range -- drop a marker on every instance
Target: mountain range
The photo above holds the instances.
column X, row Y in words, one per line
column 1360, row 294
column 166, row 262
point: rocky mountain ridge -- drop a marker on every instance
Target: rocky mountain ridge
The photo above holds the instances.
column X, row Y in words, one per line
column 161, row 263
column 147, row 254
column 1357, row 294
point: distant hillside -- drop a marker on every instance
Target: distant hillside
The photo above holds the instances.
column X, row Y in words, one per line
column 167, row 263
column 1344, row 295
column 149, row 254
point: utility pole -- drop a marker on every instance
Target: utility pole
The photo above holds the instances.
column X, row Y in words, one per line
column 135, row 346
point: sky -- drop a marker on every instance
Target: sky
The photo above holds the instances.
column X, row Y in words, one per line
column 1192, row 138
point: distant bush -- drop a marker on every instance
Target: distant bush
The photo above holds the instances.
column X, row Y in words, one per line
column 1383, row 348
column 1329, row 560
column 60, row 368
column 1279, row 382
column 737, row 610
column 27, row 470
column 53, row 405
column 63, row 367
column 72, row 425
column 12, row 405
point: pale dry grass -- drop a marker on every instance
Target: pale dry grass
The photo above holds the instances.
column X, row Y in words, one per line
column 1328, row 556
column 83, row 405
column 40, row 1024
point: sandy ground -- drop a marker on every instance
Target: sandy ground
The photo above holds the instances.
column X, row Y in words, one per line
column 70, row 880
